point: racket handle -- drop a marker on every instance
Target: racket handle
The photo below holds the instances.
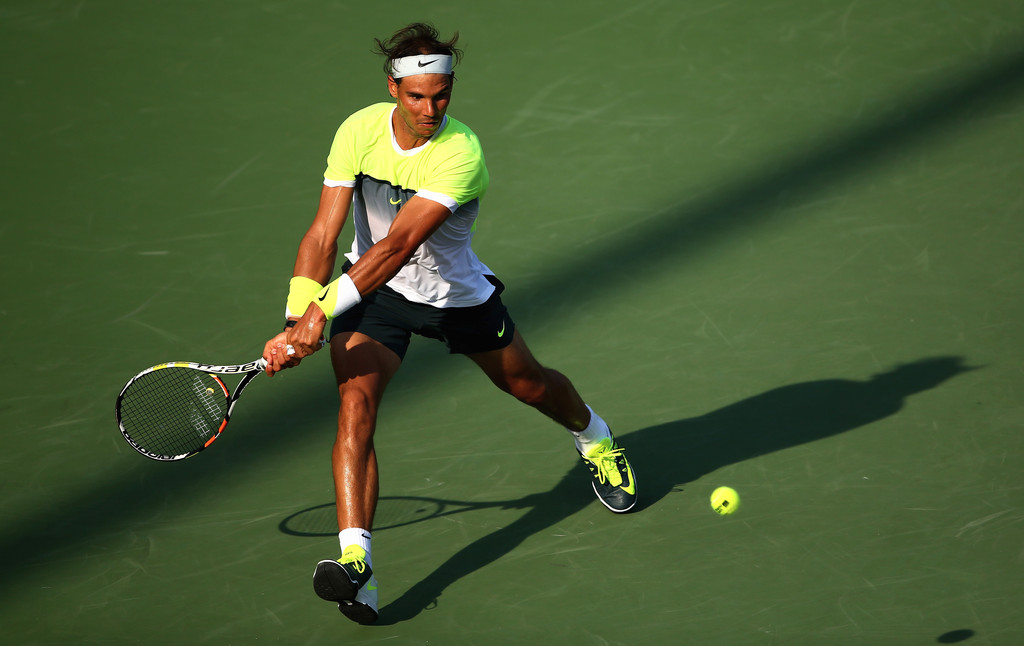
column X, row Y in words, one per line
column 291, row 350
column 262, row 363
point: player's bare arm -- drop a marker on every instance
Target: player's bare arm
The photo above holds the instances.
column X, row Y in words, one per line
column 319, row 246
column 315, row 260
column 418, row 219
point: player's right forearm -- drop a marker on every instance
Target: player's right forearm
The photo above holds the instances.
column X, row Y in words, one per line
column 316, row 258
column 319, row 247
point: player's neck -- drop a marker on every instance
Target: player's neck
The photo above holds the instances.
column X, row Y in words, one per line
column 406, row 138
column 406, row 141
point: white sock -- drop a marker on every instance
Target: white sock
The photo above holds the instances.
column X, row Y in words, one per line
column 356, row 536
column 596, row 431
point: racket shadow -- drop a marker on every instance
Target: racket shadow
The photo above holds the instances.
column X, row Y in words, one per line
column 772, row 421
column 392, row 512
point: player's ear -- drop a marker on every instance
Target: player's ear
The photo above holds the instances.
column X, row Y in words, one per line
column 393, row 86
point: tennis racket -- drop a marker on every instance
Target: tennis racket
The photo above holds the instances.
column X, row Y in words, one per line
column 174, row 410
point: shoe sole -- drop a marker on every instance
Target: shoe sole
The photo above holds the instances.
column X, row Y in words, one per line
column 332, row 583
column 360, row 613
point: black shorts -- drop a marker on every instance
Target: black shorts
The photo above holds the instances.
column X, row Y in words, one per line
column 389, row 318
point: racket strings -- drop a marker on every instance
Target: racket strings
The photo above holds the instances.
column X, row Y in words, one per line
column 173, row 411
column 205, row 395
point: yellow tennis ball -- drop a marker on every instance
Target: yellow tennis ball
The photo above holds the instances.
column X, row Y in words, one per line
column 725, row 500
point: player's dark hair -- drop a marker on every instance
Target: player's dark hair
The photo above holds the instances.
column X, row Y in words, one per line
column 417, row 38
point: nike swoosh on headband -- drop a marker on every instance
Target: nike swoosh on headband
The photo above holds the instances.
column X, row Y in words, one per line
column 421, row 64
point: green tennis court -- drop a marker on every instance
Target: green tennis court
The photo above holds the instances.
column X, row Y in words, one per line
column 777, row 245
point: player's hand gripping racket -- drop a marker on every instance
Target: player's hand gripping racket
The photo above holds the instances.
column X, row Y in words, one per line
column 174, row 410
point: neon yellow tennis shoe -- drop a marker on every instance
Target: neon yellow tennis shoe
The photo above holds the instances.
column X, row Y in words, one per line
column 613, row 480
column 350, row 583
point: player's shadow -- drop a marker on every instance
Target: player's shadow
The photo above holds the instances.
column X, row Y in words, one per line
column 673, row 454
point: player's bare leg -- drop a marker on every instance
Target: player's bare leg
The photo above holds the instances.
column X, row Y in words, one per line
column 515, row 370
column 363, row 369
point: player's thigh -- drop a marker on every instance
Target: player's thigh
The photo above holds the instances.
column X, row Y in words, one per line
column 362, row 366
column 512, row 368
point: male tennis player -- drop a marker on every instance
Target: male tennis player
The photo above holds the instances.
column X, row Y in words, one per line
column 413, row 178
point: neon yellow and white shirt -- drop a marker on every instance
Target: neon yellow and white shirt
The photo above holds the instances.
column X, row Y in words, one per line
column 448, row 169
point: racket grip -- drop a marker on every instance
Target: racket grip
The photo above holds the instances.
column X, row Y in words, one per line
column 291, row 349
column 262, row 363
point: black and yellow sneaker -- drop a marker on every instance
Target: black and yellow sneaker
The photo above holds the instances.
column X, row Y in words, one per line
column 613, row 481
column 350, row 583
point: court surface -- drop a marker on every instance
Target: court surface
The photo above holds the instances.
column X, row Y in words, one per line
column 776, row 245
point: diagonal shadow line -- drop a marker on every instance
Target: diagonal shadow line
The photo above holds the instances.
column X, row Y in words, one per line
column 116, row 503
column 690, row 228
column 769, row 422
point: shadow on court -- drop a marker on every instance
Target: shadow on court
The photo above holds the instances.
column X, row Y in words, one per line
column 775, row 420
column 955, row 636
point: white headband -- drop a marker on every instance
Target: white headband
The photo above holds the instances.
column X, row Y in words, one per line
column 421, row 64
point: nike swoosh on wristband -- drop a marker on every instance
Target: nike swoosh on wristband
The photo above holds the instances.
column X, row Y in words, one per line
column 321, row 298
column 501, row 332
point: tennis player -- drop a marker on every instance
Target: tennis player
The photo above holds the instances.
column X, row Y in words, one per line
column 413, row 178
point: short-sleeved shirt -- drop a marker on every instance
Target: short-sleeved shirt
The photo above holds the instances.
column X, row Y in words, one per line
column 448, row 169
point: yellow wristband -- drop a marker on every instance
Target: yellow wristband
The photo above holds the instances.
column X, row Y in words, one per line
column 301, row 291
column 337, row 297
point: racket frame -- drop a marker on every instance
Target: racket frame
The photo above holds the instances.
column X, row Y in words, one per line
column 249, row 371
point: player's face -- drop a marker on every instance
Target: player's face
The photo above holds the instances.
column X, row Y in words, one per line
column 422, row 102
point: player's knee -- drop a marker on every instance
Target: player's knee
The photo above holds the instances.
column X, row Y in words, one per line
column 532, row 393
column 536, row 389
column 356, row 412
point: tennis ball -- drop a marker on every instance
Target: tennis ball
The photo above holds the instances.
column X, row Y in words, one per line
column 725, row 500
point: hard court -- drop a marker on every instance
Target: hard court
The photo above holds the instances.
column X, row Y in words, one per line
column 777, row 245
